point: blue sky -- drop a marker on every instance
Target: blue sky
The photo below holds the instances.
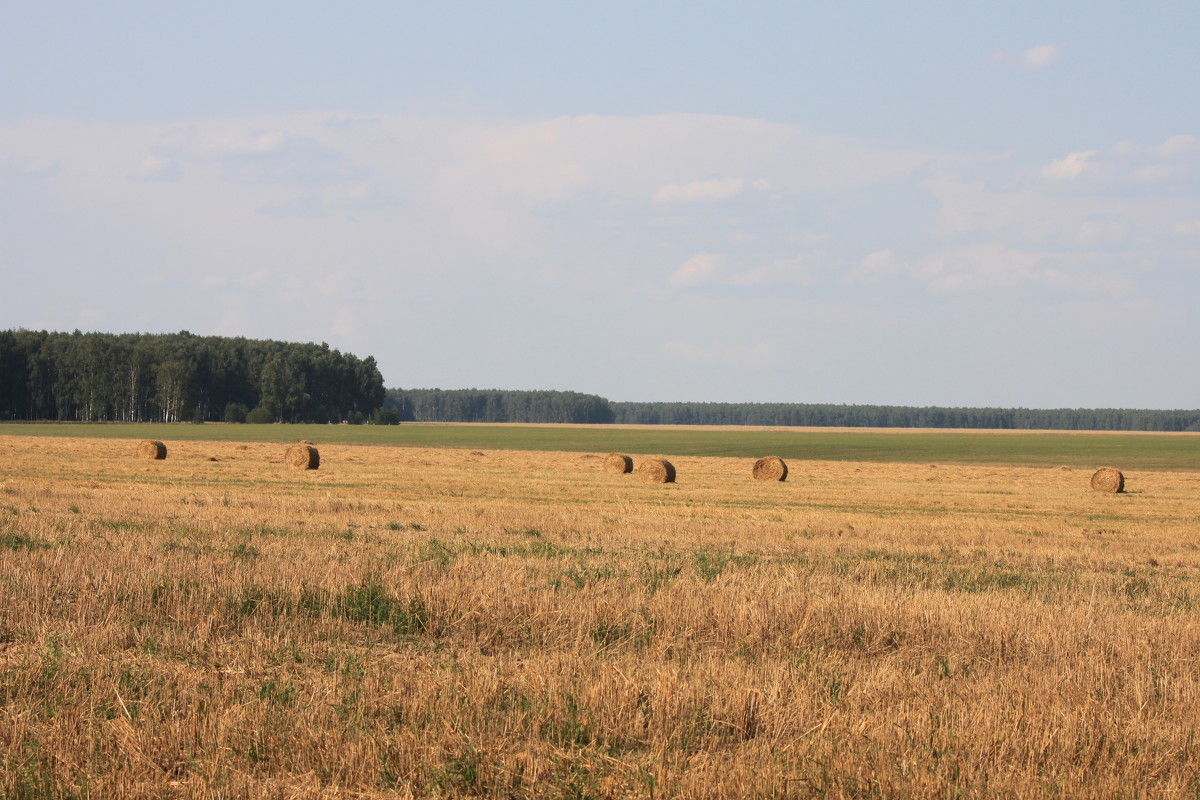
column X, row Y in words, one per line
column 900, row 203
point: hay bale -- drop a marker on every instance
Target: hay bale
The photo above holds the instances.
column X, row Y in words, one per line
column 1108, row 479
column 152, row 448
column 618, row 464
column 771, row 468
column 302, row 456
column 656, row 470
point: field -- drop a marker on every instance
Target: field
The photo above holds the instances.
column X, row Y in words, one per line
column 1016, row 448
column 477, row 616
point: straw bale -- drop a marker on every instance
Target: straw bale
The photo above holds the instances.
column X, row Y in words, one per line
column 770, row 468
column 152, row 448
column 1108, row 479
column 656, row 470
column 303, row 456
column 618, row 464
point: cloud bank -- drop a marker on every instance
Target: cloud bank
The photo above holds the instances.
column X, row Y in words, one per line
column 508, row 248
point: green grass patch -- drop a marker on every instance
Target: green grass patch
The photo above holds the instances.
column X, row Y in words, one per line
column 18, row 541
column 1084, row 450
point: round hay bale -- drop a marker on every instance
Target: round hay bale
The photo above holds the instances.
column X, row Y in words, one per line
column 1108, row 479
column 302, row 456
column 618, row 464
column 152, row 448
column 771, row 468
column 656, row 470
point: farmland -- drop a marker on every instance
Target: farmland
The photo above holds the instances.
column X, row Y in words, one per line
column 895, row 445
column 449, row 611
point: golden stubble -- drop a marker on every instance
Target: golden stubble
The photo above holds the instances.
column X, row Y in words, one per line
column 419, row 623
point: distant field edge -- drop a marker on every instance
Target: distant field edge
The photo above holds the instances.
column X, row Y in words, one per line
column 1079, row 449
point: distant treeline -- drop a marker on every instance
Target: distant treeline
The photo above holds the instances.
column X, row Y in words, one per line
column 861, row 416
column 136, row 377
column 494, row 405
column 171, row 377
column 472, row 405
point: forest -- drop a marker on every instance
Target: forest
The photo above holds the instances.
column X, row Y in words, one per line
column 174, row 377
column 473, row 405
column 182, row 377
column 871, row 416
column 495, row 405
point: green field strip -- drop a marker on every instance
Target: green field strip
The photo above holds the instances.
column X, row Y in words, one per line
column 1127, row 451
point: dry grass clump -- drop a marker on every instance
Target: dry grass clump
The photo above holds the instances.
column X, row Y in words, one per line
column 302, row 455
column 152, row 448
column 656, row 470
column 771, row 468
column 1108, row 479
column 618, row 464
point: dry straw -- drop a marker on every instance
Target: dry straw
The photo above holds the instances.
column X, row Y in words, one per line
column 1108, row 479
column 618, row 464
column 302, row 456
column 771, row 468
column 152, row 448
column 656, row 470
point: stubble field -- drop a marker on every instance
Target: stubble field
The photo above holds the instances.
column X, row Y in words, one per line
column 421, row 622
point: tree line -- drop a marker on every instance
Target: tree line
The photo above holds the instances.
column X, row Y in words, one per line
column 495, row 405
column 473, row 405
column 870, row 416
column 135, row 377
column 175, row 377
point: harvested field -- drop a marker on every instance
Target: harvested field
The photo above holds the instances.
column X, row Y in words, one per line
column 411, row 622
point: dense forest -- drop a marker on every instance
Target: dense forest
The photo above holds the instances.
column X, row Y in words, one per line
column 472, row 405
column 180, row 377
column 864, row 416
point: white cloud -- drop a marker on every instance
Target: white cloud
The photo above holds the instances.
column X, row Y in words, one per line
column 1041, row 56
column 1174, row 161
column 698, row 270
column 1034, row 58
column 217, row 141
column 258, row 277
column 793, row 271
column 1071, row 167
column 14, row 168
column 994, row 266
column 1179, row 145
column 711, row 269
column 705, row 191
column 763, row 353
column 1129, row 196
column 1153, row 173
column 810, row 239
column 250, row 154
column 879, row 265
column 156, row 168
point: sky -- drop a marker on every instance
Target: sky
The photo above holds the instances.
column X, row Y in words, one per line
column 902, row 203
